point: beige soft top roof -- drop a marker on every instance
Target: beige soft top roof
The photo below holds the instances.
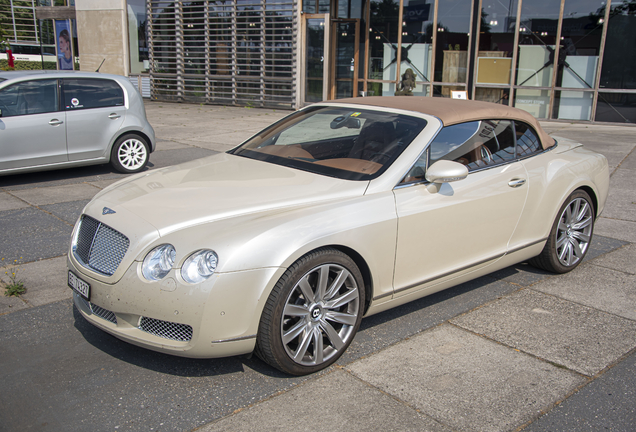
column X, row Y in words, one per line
column 453, row 111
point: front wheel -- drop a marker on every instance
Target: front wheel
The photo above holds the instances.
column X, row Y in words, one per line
column 312, row 314
column 130, row 154
column 570, row 236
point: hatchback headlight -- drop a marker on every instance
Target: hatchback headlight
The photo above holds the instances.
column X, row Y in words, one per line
column 158, row 262
column 199, row 266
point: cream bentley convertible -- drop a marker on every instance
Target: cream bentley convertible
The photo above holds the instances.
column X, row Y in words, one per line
column 338, row 211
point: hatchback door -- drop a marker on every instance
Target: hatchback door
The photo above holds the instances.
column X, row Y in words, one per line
column 32, row 128
column 95, row 112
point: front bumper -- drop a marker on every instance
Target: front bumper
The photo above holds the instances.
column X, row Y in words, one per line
column 216, row 318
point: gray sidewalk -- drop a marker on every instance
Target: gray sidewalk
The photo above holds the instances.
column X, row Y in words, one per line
column 518, row 349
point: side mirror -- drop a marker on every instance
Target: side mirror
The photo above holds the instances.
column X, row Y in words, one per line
column 444, row 171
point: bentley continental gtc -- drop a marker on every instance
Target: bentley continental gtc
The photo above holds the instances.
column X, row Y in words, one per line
column 341, row 210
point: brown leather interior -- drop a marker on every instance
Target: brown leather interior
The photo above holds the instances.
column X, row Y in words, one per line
column 349, row 164
column 289, row 151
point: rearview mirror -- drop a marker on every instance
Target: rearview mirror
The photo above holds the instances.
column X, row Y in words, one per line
column 444, row 171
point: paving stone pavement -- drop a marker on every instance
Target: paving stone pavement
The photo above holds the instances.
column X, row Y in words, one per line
column 517, row 349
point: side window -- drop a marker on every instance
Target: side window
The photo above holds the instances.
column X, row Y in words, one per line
column 30, row 97
column 477, row 145
column 527, row 141
column 84, row 93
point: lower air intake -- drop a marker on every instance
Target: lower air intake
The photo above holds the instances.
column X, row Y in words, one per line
column 166, row 329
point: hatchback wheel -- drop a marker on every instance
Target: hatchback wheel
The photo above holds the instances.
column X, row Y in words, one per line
column 130, row 154
column 570, row 236
column 312, row 314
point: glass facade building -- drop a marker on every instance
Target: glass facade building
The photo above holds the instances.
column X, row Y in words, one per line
column 557, row 59
column 569, row 60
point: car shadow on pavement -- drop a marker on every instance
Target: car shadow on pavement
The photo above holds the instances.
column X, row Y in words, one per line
column 165, row 363
column 61, row 176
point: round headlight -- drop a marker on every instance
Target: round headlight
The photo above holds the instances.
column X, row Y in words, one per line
column 158, row 262
column 199, row 266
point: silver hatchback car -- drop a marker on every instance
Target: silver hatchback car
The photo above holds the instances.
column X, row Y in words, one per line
column 51, row 120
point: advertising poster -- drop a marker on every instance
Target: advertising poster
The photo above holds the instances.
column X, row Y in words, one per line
column 64, row 46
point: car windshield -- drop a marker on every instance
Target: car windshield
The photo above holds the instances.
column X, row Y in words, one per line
column 346, row 143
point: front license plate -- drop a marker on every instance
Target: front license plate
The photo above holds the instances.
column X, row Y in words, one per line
column 79, row 286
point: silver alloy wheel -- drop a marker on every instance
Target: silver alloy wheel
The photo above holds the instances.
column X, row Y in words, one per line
column 132, row 154
column 320, row 314
column 574, row 231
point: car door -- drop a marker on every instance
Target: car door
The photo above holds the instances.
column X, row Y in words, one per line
column 32, row 127
column 95, row 111
column 452, row 227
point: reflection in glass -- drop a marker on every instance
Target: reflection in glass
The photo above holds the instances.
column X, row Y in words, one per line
column 345, row 58
column 314, row 59
column 496, row 45
column 619, row 58
column 573, row 105
column 537, row 39
column 495, row 95
column 350, row 9
column 383, row 35
column 536, row 102
column 417, row 38
column 580, row 44
column 616, row 107
column 451, row 54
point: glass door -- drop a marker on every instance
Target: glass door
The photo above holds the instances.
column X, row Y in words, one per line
column 315, row 62
column 344, row 70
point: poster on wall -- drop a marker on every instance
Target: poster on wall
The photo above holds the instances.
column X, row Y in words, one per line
column 64, row 46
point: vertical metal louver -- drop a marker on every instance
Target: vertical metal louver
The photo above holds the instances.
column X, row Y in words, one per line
column 239, row 52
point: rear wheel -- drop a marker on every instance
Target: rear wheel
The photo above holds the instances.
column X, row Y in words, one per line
column 130, row 154
column 570, row 236
column 312, row 314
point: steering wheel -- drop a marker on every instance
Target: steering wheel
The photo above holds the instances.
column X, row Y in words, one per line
column 486, row 154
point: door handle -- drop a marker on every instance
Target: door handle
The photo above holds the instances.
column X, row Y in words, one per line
column 514, row 183
column 55, row 122
column 114, row 116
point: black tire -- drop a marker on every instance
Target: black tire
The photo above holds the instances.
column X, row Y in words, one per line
column 570, row 236
column 130, row 154
column 324, row 327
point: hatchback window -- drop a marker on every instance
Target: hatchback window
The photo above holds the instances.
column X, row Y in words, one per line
column 85, row 93
column 30, row 97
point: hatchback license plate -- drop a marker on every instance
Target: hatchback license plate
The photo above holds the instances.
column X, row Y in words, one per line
column 79, row 286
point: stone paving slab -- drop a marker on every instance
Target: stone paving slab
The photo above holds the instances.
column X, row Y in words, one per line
column 623, row 259
column 606, row 404
column 621, row 201
column 69, row 212
column 618, row 229
column 466, row 382
column 598, row 287
column 9, row 202
column 56, row 194
column 565, row 333
column 30, row 234
column 10, row 304
column 45, row 281
column 172, row 157
column 334, row 402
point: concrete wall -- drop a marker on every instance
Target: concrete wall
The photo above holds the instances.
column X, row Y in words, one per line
column 102, row 33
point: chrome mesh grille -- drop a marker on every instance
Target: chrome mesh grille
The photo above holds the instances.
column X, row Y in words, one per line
column 99, row 247
column 97, row 310
column 166, row 329
column 103, row 313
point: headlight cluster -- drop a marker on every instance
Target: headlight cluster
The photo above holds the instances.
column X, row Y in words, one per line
column 198, row 267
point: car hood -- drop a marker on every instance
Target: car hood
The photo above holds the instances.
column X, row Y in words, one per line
column 214, row 188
